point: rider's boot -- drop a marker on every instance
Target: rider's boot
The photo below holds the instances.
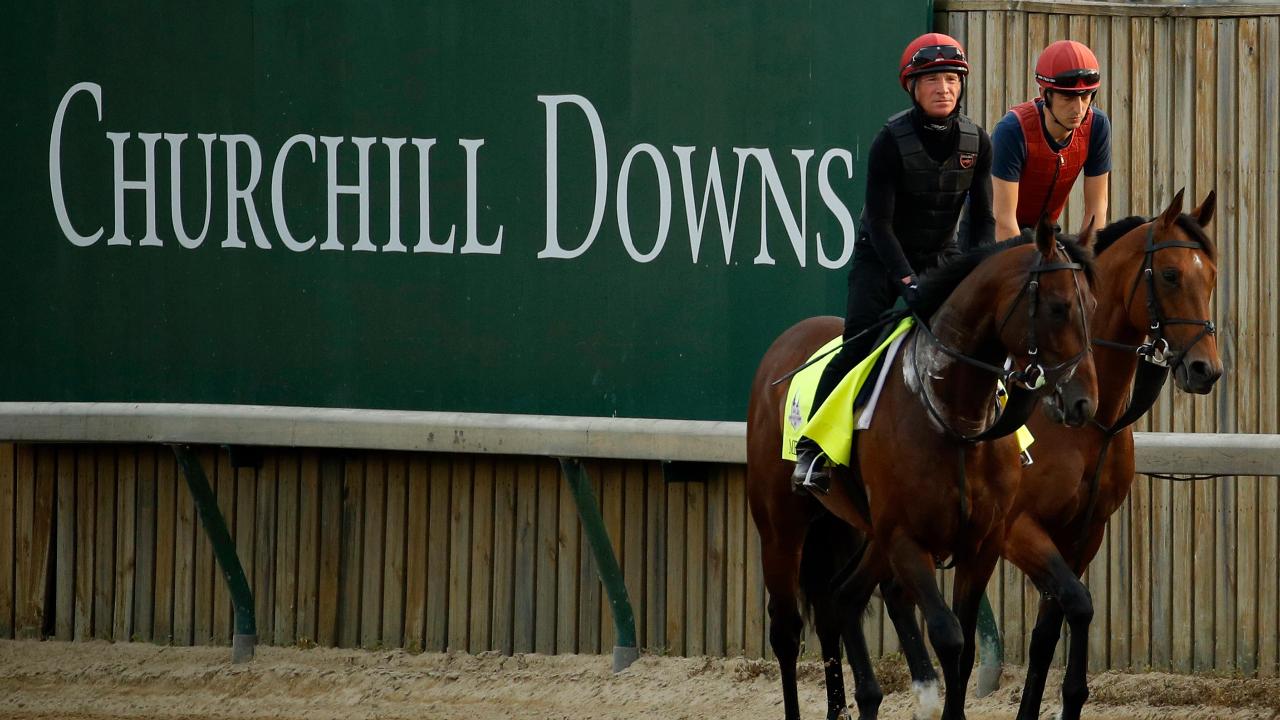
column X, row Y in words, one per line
column 811, row 468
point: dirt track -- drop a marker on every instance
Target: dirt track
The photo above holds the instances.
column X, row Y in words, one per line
column 98, row 681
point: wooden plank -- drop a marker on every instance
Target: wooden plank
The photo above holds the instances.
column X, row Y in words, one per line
column 757, row 628
column 23, row 533
column 737, row 534
column 1248, row 351
column 995, row 103
column 65, row 570
column 502, row 625
column 126, row 552
column 655, row 572
column 226, row 494
column 416, row 583
column 145, row 544
column 104, row 572
column 36, row 503
column 482, row 511
column 547, row 609
column 1205, row 497
column 976, row 83
column 695, row 600
column 8, row 522
column 1017, row 66
column 264, row 547
column 1269, row 344
column 633, row 548
column 393, row 575
column 460, row 557
column 590, row 590
column 308, row 547
column 1098, row 581
column 166, row 542
column 375, row 482
column 1013, row 599
column 717, row 498
column 246, row 509
column 206, row 569
column 577, row 592
column 352, row 550
column 286, row 581
column 526, row 556
column 1161, row 538
column 184, row 579
column 611, row 495
column 676, row 558
column 438, row 554
column 329, row 589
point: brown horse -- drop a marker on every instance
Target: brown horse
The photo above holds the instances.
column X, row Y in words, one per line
column 1155, row 280
column 927, row 489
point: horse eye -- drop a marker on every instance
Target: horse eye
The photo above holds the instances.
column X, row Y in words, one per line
column 1170, row 275
column 1058, row 312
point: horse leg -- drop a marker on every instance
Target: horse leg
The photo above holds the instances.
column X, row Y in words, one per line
column 827, row 624
column 913, row 568
column 971, row 581
column 851, row 598
column 924, row 679
column 1063, row 595
column 781, row 577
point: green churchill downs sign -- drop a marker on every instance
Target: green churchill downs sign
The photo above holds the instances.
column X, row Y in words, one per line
column 568, row 208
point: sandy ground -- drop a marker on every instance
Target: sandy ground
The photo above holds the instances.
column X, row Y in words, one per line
column 83, row 681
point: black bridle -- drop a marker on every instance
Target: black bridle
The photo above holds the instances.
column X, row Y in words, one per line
column 1022, row 384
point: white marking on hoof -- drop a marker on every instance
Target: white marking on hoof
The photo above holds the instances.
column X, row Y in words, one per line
column 928, row 701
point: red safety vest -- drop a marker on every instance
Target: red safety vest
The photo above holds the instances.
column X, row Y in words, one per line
column 1047, row 176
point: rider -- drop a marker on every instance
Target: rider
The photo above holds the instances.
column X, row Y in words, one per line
column 1042, row 145
column 921, row 167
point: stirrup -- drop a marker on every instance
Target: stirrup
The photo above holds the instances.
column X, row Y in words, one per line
column 816, row 478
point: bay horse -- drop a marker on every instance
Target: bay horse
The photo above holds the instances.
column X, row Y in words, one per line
column 928, row 490
column 1155, row 280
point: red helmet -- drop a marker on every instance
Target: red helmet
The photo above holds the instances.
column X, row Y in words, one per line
column 1070, row 67
column 931, row 53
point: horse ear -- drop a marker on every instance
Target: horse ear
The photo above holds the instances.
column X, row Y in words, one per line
column 1172, row 212
column 1046, row 238
column 1203, row 213
column 1086, row 236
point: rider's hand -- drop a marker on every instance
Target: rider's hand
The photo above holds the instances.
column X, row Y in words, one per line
column 911, row 291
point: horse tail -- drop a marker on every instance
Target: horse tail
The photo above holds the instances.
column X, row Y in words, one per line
column 832, row 549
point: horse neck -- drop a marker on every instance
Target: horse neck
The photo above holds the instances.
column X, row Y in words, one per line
column 1116, row 271
column 962, row 392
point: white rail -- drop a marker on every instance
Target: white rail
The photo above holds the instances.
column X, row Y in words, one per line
column 549, row 435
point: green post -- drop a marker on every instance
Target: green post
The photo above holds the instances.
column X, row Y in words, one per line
column 991, row 650
column 625, row 650
column 246, row 631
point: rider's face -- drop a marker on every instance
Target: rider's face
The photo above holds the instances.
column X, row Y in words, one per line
column 938, row 93
column 1069, row 110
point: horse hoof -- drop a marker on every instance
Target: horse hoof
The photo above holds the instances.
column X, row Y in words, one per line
column 841, row 714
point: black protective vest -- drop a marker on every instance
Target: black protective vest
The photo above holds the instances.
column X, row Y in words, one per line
column 930, row 194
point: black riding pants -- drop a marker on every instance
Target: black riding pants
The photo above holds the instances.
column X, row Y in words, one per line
column 871, row 293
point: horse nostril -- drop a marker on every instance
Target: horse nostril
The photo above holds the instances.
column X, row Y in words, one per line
column 1200, row 369
column 1083, row 409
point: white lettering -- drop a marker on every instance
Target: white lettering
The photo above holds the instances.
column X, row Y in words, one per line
column 728, row 220
column 147, row 184
column 771, row 185
column 277, row 192
column 360, row 189
column 425, row 243
column 55, row 163
column 393, row 173
column 553, row 248
column 837, row 207
column 175, row 141
column 472, row 244
column 664, row 202
column 243, row 194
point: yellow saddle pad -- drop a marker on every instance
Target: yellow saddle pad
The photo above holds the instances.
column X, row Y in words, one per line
column 832, row 424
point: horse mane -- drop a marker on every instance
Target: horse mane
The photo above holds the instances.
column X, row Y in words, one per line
column 1108, row 235
column 937, row 284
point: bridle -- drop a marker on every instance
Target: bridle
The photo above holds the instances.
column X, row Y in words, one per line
column 1022, row 384
column 1156, row 348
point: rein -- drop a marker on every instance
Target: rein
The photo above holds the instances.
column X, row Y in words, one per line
column 1153, row 371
